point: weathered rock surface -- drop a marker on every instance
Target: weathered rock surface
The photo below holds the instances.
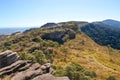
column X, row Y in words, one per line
column 59, row 36
column 50, row 77
column 24, row 69
column 49, row 25
column 15, row 67
column 8, row 57
column 30, row 73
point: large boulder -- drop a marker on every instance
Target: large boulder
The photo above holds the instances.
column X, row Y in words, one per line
column 8, row 57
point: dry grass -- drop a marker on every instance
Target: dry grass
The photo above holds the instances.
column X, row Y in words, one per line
column 93, row 57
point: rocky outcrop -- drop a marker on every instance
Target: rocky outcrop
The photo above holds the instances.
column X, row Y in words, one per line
column 30, row 73
column 8, row 57
column 15, row 67
column 55, row 36
column 24, row 69
column 49, row 25
column 59, row 36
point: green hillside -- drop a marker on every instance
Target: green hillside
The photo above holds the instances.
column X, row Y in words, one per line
column 71, row 52
column 103, row 34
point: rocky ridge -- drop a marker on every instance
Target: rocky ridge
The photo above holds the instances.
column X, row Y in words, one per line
column 12, row 68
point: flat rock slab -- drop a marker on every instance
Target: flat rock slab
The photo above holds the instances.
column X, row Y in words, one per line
column 50, row 77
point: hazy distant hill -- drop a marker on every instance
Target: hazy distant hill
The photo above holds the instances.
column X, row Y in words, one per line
column 112, row 23
column 12, row 30
column 105, row 33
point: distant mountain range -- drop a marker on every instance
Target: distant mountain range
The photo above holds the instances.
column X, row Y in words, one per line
column 106, row 32
column 108, row 23
column 7, row 31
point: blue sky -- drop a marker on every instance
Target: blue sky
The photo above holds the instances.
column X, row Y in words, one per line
column 26, row 13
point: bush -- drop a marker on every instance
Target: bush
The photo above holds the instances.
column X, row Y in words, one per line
column 36, row 40
column 34, row 49
column 76, row 72
column 51, row 43
column 50, row 57
column 60, row 73
column 111, row 78
column 27, row 56
column 7, row 44
column 39, row 56
column 74, row 67
column 92, row 74
column 73, row 71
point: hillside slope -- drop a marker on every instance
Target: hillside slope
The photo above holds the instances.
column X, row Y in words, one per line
column 71, row 52
column 103, row 34
column 112, row 23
